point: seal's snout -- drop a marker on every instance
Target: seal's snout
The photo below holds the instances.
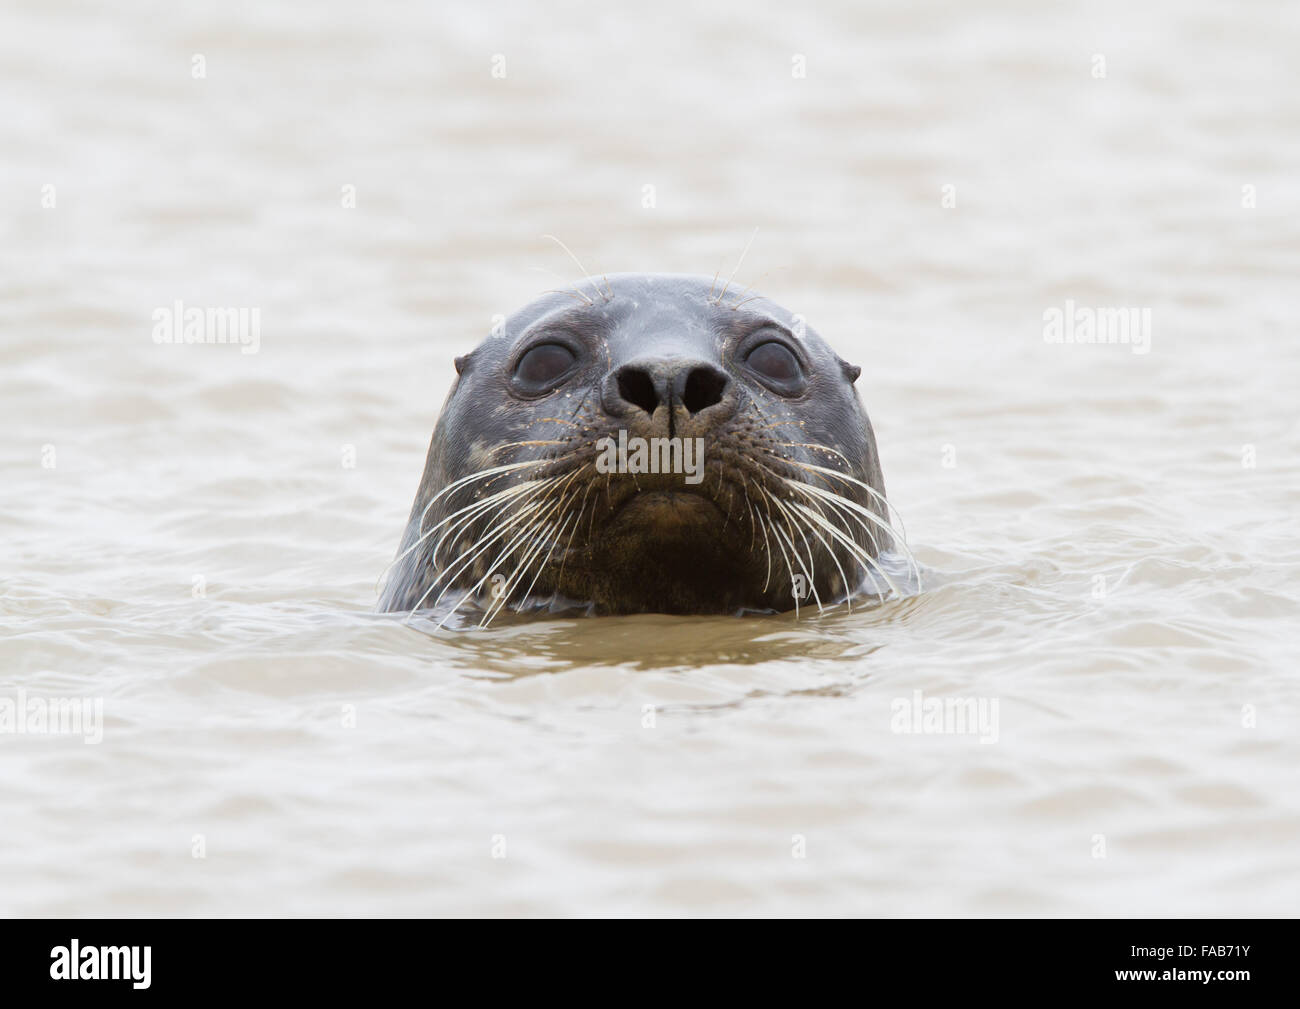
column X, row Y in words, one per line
column 641, row 387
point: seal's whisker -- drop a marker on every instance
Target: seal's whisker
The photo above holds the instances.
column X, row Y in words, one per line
column 865, row 486
column 777, row 533
column 816, row 448
column 520, row 515
column 470, row 511
column 839, row 503
column 738, row 302
column 786, row 558
column 493, row 472
column 577, row 296
column 585, row 274
column 539, row 530
column 879, row 521
column 533, row 497
column 479, row 475
column 765, row 526
column 498, row 528
column 899, row 536
column 473, row 590
column 753, row 528
column 844, row 580
column 553, row 535
column 723, row 293
column 772, row 426
column 864, row 559
column 538, row 536
column 767, row 549
column 568, row 548
column 530, row 491
column 785, row 533
column 493, row 507
column 451, row 571
column 524, row 444
column 809, row 569
column 841, row 535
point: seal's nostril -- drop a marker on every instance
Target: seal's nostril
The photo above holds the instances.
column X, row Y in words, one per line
column 638, row 388
column 704, row 388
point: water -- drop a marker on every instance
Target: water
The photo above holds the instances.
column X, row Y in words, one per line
column 193, row 534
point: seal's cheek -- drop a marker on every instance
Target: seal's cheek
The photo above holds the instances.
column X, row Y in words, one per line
column 480, row 454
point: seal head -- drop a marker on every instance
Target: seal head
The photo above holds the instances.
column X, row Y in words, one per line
column 641, row 444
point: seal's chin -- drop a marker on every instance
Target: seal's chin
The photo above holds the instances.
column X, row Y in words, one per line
column 669, row 513
column 671, row 551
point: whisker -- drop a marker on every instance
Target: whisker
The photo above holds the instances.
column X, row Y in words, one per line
column 864, row 559
column 723, row 293
column 514, row 519
column 789, row 570
column 505, row 595
column 463, row 481
column 899, row 536
column 576, row 295
column 768, row 549
column 738, row 302
column 585, row 274
column 839, row 502
column 809, row 574
column 496, row 504
column 844, row 580
column 535, row 529
column 527, row 444
column 884, row 501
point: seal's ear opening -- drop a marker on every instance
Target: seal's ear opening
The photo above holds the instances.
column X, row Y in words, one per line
column 851, row 371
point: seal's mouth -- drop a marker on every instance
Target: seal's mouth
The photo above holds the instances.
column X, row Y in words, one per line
column 668, row 509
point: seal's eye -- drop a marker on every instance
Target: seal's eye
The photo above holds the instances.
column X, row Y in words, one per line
column 543, row 366
column 776, row 363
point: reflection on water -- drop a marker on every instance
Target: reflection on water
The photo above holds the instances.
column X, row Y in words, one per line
column 194, row 532
column 650, row 642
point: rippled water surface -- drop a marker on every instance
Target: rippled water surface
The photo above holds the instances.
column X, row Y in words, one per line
column 193, row 534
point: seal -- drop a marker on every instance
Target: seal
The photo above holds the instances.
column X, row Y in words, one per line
column 645, row 443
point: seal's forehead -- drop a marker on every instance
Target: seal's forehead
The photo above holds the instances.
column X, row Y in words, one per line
column 645, row 302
